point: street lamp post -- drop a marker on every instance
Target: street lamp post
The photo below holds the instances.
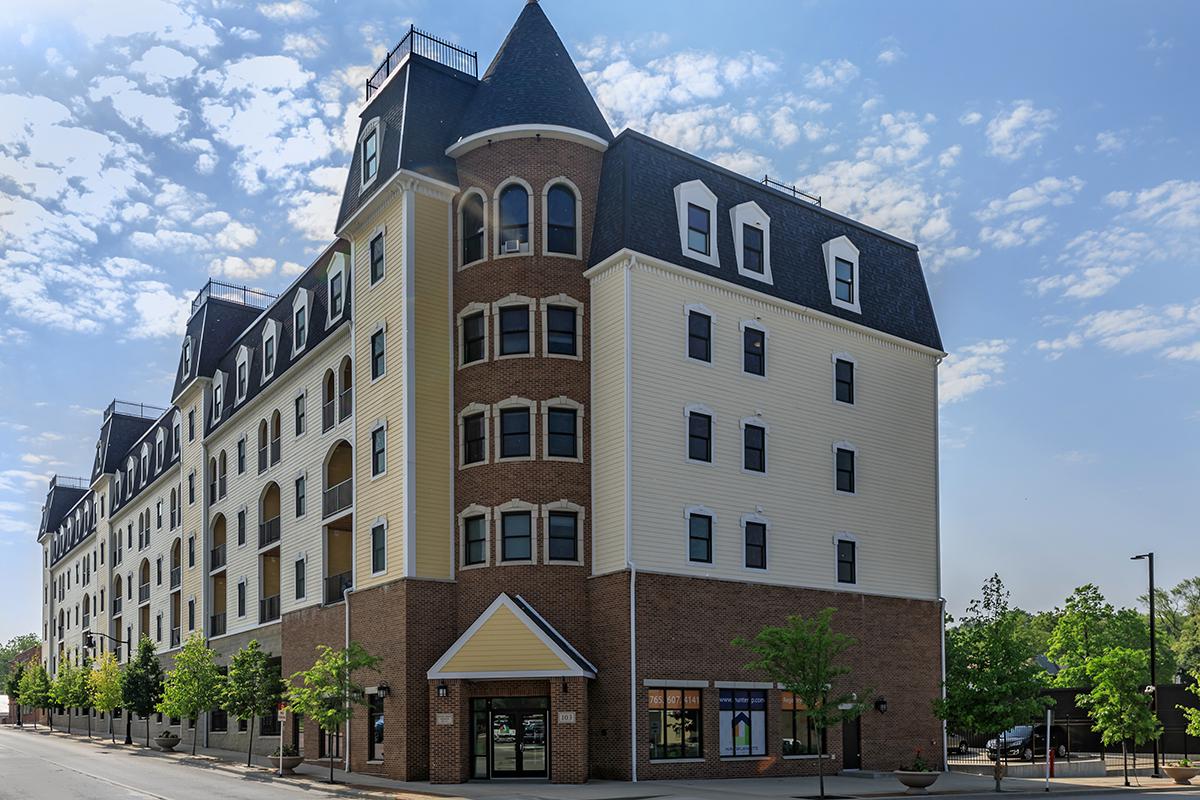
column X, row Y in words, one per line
column 1149, row 558
column 90, row 643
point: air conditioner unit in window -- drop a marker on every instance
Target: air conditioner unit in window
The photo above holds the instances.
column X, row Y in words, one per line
column 513, row 246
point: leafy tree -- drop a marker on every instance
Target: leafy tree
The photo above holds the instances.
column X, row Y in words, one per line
column 1089, row 626
column 193, row 683
column 992, row 682
column 1117, row 703
column 35, row 691
column 252, row 688
column 81, row 691
column 105, row 683
column 326, row 692
column 64, row 691
column 142, row 686
column 12, row 687
column 802, row 655
column 1187, row 646
column 1190, row 713
column 13, row 648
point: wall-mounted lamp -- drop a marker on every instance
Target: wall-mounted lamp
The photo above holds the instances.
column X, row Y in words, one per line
column 881, row 705
column 443, row 690
column 565, row 687
column 384, row 691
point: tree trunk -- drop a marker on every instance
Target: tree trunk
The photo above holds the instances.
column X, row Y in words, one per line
column 331, row 765
column 50, row 718
column 70, row 720
column 250, row 749
column 998, row 768
column 821, row 762
column 195, row 736
column 147, row 729
column 129, row 726
column 1125, row 761
column 89, row 716
column 112, row 731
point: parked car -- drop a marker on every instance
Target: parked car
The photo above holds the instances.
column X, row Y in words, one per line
column 1023, row 742
column 956, row 744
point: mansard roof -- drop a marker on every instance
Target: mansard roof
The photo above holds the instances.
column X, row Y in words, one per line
column 635, row 209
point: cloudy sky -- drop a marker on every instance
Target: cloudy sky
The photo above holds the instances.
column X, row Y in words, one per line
column 1051, row 181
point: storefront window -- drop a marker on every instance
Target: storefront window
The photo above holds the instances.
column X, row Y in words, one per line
column 375, row 726
column 743, row 722
column 799, row 734
column 675, row 728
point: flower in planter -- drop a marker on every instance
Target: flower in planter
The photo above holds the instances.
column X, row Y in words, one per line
column 166, row 734
column 286, row 751
column 918, row 764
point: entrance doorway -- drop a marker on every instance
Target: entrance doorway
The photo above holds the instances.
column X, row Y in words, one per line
column 510, row 737
column 851, row 744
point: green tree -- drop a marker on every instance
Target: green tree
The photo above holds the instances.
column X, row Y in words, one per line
column 193, row 682
column 1118, row 704
column 252, row 688
column 142, row 686
column 992, row 681
column 64, row 691
column 13, row 648
column 81, row 691
column 1187, row 646
column 326, row 692
column 12, row 687
column 1089, row 626
column 105, row 683
column 803, row 655
column 35, row 690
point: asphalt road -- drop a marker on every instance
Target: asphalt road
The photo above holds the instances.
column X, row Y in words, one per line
column 33, row 765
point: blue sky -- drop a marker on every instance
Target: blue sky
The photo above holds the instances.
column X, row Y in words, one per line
column 1044, row 157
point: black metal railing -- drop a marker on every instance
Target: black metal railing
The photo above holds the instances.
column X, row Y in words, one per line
column 792, row 190
column 345, row 405
column 116, row 607
column 144, row 593
column 268, row 532
column 275, row 451
column 326, row 416
column 128, row 409
column 429, row 46
column 174, row 637
column 176, row 576
column 67, row 482
column 262, row 459
column 254, row 298
column 335, row 585
column 337, row 498
column 268, row 608
column 216, row 624
column 216, row 557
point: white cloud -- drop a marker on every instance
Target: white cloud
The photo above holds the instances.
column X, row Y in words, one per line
column 1046, row 191
column 1019, row 129
column 237, row 268
column 1028, row 230
column 161, row 65
column 1171, row 204
column 1077, row 457
column 971, row 118
column 245, row 34
column 153, row 113
column 971, row 369
column 168, row 240
column 949, row 157
column 1134, row 331
column 831, row 74
column 236, row 236
column 305, row 45
column 1084, row 284
column 745, row 162
column 1109, row 142
column 890, row 54
column 291, row 11
column 291, row 268
column 160, row 311
column 900, row 139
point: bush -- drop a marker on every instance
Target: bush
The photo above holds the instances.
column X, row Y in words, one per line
column 167, row 734
column 287, row 751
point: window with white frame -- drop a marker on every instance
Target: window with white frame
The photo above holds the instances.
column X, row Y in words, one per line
column 562, row 427
column 696, row 209
column 845, row 468
column 300, row 576
column 754, row 348
column 270, row 342
column 218, row 395
column 699, row 420
column 187, row 357
column 846, row 553
column 300, row 414
column 160, row 447
column 379, row 449
column 473, row 527
column 561, row 231
column 375, row 254
column 700, row 523
column 754, row 445
column 473, row 334
column 379, row 546
column 562, row 526
column 176, row 432
column 514, row 439
column 300, row 320
column 843, row 378
column 336, row 284
column 378, row 352
column 562, row 326
column 514, row 210
column 516, row 531
column 754, row 538
column 242, row 372
column 752, row 240
column 699, row 332
column 841, row 267
column 473, row 434
column 370, row 145
column 301, row 486
column 472, row 230
column 514, row 326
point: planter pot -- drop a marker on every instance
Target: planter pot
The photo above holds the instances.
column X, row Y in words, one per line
column 917, row 782
column 1181, row 775
column 166, row 743
column 289, row 763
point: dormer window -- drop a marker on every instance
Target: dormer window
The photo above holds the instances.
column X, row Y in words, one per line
column 269, row 351
column 187, row 357
column 337, row 286
column 299, row 321
column 841, row 266
column 370, row 144
column 176, row 432
column 218, row 396
column 159, row 449
column 696, row 207
column 145, row 462
column 514, row 219
column 752, row 241
column 242, row 378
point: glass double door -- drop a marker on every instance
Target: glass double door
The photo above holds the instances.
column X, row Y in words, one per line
column 518, row 742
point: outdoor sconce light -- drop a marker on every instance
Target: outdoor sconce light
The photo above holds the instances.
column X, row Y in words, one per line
column 881, row 705
column 384, row 691
column 443, row 690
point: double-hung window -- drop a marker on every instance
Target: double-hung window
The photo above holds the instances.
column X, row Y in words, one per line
column 301, row 495
column 475, row 540
column 843, row 277
column 756, row 545
column 300, row 329
column 269, row 356
column 378, row 547
column 699, row 336
column 379, row 451
column 514, row 330
column 300, row 408
column 754, row 351
column 698, row 228
column 377, row 258
column 563, row 534
column 378, row 364
column 843, row 376
column 845, row 470
column 300, row 578
column 370, row 156
column 675, row 723
column 514, row 433
column 743, row 722
column 516, row 536
column 700, row 534
column 563, row 442
column 474, row 438
column 335, row 295
column 699, row 436
column 241, row 456
column 474, row 333
column 847, row 566
column 752, row 249
column 754, row 448
column 560, row 331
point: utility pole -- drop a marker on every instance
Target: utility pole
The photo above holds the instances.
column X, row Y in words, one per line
column 1149, row 557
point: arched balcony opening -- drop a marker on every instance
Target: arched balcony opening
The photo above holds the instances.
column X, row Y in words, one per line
column 345, row 405
column 276, row 437
column 328, row 398
column 268, row 515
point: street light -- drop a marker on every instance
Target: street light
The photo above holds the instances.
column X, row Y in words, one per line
column 89, row 641
column 1149, row 558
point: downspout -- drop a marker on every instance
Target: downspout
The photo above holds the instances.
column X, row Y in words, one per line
column 632, row 670
column 937, row 509
column 629, row 562
column 353, row 488
column 346, row 742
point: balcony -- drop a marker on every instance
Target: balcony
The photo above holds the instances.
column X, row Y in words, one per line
column 216, row 624
column 337, row 498
column 336, row 585
column 233, row 294
column 144, row 593
column 326, row 416
column 345, row 406
column 268, row 609
column 268, row 532
column 174, row 637
column 427, row 45
column 216, row 557
column 176, row 577
column 116, row 612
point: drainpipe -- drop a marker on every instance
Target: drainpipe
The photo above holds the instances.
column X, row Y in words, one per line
column 346, row 743
column 632, row 670
column 945, row 742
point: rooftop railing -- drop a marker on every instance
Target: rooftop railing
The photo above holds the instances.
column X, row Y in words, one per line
column 255, row 298
column 67, row 482
column 792, row 190
column 429, row 46
column 127, row 409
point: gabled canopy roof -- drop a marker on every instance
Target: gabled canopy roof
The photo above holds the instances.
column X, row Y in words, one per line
column 511, row 640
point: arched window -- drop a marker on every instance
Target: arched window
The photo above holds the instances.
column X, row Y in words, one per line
column 276, row 433
column 328, row 393
column 514, row 219
column 344, row 397
column 471, row 226
column 262, row 445
column 561, row 220
column 212, row 480
column 221, row 465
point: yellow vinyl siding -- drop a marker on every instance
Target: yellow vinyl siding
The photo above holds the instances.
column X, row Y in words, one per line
column 383, row 400
column 191, row 456
column 504, row 644
column 432, row 373
column 892, row 425
column 608, row 421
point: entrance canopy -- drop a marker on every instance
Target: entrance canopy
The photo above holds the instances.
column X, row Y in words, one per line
column 511, row 640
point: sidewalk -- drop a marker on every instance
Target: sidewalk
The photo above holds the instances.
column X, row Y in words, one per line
column 863, row 785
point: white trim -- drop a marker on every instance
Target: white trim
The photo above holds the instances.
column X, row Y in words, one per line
column 409, row 275
column 696, row 193
column 467, row 411
column 218, row 404
column 743, row 685
column 580, row 517
column 758, row 518
column 844, row 536
column 303, row 299
column 506, row 132
column 527, row 246
column 510, row 301
column 515, row 402
column 753, row 324
column 474, row 510
column 483, row 250
column 270, row 333
column 699, row 308
column 550, row 184
column 842, row 248
column 470, row 310
column 562, row 402
column 562, row 300
column 699, row 408
column 833, row 360
column 372, row 126
column 337, row 266
column 371, row 545
column 756, row 422
column 660, row 683
column 516, row 506
column 380, row 233
column 842, row 444
column 570, row 667
column 699, row 511
column 751, row 214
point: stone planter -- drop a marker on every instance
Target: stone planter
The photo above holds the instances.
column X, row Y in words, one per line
column 166, row 743
column 916, row 782
column 289, row 763
column 1181, row 775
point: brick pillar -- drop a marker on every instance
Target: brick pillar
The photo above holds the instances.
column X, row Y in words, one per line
column 568, row 730
column 449, row 729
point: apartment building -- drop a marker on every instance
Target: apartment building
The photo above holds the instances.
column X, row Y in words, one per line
column 555, row 418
